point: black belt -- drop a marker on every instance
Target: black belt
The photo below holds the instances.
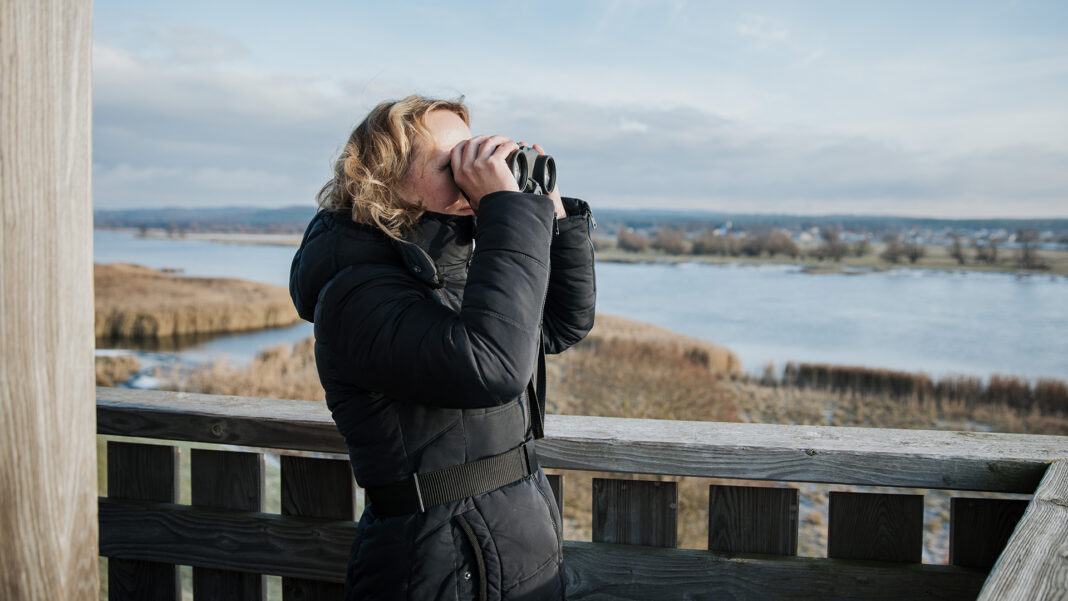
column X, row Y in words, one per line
column 421, row 491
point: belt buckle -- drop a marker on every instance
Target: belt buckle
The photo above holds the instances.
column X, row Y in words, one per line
column 531, row 456
column 418, row 492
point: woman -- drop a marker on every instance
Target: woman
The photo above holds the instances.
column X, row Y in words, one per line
column 430, row 336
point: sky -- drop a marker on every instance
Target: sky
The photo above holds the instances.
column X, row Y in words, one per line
column 941, row 109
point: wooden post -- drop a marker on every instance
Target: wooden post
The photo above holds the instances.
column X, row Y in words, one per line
column 750, row 519
column 227, row 480
column 142, row 472
column 48, row 493
column 635, row 512
column 875, row 526
column 318, row 488
column 1034, row 566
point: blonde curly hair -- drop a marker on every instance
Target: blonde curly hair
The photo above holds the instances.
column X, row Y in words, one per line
column 377, row 158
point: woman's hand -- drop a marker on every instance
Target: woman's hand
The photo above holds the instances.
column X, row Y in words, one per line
column 479, row 167
column 555, row 194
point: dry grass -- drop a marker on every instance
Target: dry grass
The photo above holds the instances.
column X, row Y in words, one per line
column 626, row 368
column 139, row 303
column 114, row 370
column 281, row 372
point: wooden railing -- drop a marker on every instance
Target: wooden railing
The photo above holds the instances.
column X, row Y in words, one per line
column 874, row 540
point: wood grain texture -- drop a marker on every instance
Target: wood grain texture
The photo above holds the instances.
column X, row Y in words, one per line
column 227, row 480
column 875, row 526
column 142, row 472
column 259, row 543
column 978, row 461
column 320, row 488
column 247, row 421
column 616, row 572
column 1034, row 565
column 980, row 528
column 48, row 520
column 635, row 512
column 749, row 519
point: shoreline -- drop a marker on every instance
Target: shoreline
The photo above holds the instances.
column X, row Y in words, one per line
column 848, row 266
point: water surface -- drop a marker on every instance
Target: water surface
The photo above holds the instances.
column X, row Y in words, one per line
column 938, row 322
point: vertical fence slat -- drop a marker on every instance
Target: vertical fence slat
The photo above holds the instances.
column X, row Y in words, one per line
column 322, row 488
column 142, row 472
column 749, row 519
column 556, row 482
column 873, row 526
column 635, row 512
column 227, row 480
column 980, row 528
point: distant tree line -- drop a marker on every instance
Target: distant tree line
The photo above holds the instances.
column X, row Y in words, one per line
column 777, row 242
column 772, row 243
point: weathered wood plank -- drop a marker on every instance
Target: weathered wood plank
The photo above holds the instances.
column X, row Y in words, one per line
column 318, row 488
column 260, row 543
column 142, row 472
column 616, row 572
column 875, row 526
column 47, row 447
column 227, row 480
column 980, row 528
column 247, row 421
column 749, row 519
column 864, row 456
column 318, row 549
column 635, row 512
column 1034, row 565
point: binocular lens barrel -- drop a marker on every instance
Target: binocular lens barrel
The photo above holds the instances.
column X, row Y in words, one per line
column 532, row 170
column 520, row 168
column 545, row 172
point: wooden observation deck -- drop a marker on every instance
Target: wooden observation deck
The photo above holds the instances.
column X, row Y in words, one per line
column 874, row 540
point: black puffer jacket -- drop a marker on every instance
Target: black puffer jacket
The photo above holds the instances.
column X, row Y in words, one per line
column 427, row 350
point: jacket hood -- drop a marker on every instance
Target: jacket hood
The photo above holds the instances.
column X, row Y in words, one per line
column 333, row 242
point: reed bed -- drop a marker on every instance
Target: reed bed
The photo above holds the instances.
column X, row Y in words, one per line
column 136, row 303
column 112, row 370
column 1048, row 396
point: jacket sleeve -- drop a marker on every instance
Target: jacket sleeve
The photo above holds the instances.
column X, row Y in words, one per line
column 570, row 304
column 398, row 339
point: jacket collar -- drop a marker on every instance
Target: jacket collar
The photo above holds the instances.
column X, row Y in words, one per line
column 438, row 246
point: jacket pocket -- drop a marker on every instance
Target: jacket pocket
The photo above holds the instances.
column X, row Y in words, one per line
column 477, row 573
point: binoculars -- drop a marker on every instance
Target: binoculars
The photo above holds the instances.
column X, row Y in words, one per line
column 533, row 172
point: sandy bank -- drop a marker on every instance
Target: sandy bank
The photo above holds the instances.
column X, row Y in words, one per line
column 139, row 303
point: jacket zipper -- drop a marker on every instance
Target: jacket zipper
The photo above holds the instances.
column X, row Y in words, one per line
column 556, row 529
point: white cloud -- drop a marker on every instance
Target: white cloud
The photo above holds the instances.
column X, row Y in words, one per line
column 763, row 30
column 631, row 126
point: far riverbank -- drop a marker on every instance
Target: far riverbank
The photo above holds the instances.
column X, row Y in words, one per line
column 934, row 257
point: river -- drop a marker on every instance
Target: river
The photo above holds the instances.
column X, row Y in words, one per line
column 938, row 322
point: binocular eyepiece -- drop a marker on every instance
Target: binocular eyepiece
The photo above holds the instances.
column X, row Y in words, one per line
column 533, row 172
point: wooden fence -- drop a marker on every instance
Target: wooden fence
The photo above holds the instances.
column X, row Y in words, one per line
column 874, row 540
